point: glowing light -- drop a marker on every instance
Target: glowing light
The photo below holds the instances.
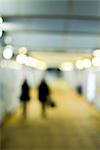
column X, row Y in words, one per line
column 86, row 63
column 1, row 22
column 35, row 63
column 21, row 59
column 41, row 65
column 79, row 64
column 7, row 53
column 96, row 53
column 68, row 66
column 22, row 50
column 96, row 61
column 0, row 32
column 32, row 62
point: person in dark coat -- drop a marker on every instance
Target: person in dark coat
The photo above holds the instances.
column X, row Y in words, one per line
column 25, row 96
column 79, row 89
column 43, row 95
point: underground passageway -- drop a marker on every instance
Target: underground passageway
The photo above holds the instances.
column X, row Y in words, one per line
column 72, row 124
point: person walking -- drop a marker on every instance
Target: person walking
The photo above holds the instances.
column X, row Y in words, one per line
column 25, row 97
column 43, row 93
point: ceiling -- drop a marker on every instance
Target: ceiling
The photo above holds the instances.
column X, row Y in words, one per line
column 52, row 25
column 50, row 8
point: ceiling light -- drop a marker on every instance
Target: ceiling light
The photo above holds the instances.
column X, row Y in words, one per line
column 1, row 22
column 31, row 62
column 7, row 53
column 96, row 61
column 22, row 50
column 67, row 66
column 21, row 58
column 86, row 63
column 96, row 53
column 79, row 64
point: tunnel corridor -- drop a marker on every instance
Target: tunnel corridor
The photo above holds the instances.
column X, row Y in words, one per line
column 72, row 124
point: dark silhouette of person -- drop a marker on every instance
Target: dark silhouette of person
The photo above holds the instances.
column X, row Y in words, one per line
column 79, row 89
column 43, row 93
column 25, row 97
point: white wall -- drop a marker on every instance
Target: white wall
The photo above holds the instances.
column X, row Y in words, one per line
column 10, row 83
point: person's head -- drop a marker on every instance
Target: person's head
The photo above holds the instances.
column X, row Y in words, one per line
column 25, row 81
column 43, row 80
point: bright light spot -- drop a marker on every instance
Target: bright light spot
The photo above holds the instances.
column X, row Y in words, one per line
column 79, row 64
column 21, row 59
column 32, row 62
column 96, row 61
column 86, row 63
column 1, row 22
column 68, row 66
column 0, row 32
column 96, row 53
column 7, row 53
column 41, row 65
column 22, row 50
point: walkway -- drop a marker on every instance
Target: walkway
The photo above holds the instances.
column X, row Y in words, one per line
column 72, row 125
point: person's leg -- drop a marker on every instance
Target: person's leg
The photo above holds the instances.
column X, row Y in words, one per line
column 24, row 109
column 43, row 110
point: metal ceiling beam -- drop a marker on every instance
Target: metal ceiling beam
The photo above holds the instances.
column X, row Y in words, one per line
column 55, row 32
column 63, row 17
column 60, row 26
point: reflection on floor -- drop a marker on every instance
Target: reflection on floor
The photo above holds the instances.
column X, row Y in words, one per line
column 73, row 124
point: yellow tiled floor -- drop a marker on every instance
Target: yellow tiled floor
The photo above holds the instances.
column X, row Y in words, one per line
column 72, row 124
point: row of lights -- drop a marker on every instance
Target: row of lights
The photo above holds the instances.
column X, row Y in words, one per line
column 22, row 58
column 31, row 62
column 82, row 64
column 66, row 66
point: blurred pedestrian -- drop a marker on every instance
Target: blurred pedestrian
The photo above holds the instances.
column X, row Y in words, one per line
column 43, row 93
column 79, row 89
column 25, row 97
